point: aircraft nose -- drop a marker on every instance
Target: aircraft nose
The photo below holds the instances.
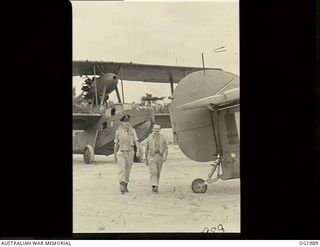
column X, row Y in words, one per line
column 110, row 77
column 112, row 80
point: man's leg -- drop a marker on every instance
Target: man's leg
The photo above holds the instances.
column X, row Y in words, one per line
column 129, row 160
column 122, row 170
column 153, row 169
column 160, row 163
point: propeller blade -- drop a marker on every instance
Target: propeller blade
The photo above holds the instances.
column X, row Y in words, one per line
column 100, row 69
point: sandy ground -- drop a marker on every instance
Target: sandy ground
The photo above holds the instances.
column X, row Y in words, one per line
column 98, row 206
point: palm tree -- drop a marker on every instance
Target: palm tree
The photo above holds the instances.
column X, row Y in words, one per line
column 149, row 99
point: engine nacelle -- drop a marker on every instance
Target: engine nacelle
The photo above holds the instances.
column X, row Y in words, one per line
column 108, row 80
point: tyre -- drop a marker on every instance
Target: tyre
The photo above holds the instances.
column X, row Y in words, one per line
column 88, row 154
column 198, row 186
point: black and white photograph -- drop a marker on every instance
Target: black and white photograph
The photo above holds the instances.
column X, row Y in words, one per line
column 123, row 123
column 156, row 117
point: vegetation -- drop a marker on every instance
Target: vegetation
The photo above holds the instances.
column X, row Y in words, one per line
column 87, row 90
column 149, row 99
column 84, row 103
column 81, row 108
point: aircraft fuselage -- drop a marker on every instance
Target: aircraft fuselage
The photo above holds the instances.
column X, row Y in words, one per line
column 101, row 135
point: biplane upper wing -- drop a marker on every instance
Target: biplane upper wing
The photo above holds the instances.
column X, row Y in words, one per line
column 135, row 72
column 228, row 94
column 83, row 121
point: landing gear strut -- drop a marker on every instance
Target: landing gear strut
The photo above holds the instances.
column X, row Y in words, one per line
column 200, row 185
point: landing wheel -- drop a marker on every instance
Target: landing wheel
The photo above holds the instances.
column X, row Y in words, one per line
column 198, row 186
column 88, row 154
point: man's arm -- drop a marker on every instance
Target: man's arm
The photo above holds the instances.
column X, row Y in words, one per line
column 147, row 152
column 136, row 142
column 165, row 151
column 116, row 148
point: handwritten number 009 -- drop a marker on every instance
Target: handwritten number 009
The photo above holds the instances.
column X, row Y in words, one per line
column 214, row 229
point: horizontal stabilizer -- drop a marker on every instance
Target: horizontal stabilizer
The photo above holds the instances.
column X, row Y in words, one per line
column 218, row 99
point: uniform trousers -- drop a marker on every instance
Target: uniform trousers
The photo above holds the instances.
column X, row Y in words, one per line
column 125, row 160
column 155, row 167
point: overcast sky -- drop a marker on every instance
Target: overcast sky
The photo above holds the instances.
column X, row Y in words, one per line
column 164, row 33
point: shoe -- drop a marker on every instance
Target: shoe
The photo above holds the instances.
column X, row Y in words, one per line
column 155, row 189
column 126, row 187
column 122, row 187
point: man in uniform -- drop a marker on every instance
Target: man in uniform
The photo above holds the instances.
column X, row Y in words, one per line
column 156, row 154
column 125, row 139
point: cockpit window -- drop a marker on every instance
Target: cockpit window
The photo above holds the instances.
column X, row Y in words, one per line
column 113, row 111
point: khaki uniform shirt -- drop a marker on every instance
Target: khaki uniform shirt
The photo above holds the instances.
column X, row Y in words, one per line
column 125, row 138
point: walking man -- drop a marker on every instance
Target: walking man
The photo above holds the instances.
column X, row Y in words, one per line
column 125, row 139
column 156, row 154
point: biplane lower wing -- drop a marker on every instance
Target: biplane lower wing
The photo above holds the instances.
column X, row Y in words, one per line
column 90, row 124
column 82, row 121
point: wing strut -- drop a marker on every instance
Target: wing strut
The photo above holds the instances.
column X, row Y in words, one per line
column 95, row 85
column 118, row 94
column 171, row 85
column 216, row 130
column 103, row 96
column 121, row 84
column 171, row 82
